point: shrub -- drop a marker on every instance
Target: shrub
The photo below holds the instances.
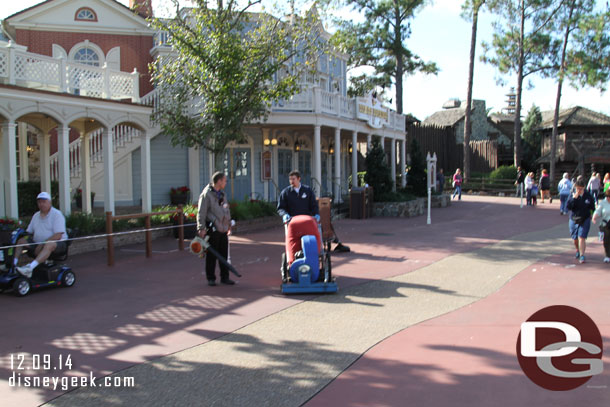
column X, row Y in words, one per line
column 416, row 177
column 251, row 209
column 27, row 192
column 378, row 173
column 401, row 195
column 504, row 172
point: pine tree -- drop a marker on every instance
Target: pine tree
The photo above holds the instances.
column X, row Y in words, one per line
column 378, row 174
column 417, row 171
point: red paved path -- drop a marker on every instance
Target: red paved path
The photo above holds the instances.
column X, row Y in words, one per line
column 146, row 308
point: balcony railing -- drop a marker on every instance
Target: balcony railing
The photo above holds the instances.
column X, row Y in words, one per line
column 22, row 68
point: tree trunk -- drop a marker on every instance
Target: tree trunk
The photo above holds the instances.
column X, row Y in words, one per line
column 517, row 135
column 555, row 132
column 399, row 61
column 467, row 119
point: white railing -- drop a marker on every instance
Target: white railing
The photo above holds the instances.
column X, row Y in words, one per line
column 310, row 99
column 22, row 68
column 121, row 136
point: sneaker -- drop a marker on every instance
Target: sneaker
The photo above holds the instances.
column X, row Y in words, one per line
column 228, row 281
column 26, row 270
column 211, row 283
column 606, row 259
column 582, row 259
column 577, row 255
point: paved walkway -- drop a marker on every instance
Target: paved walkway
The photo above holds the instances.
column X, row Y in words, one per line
column 247, row 345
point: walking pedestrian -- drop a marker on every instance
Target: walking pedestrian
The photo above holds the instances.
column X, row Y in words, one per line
column 529, row 183
column 214, row 219
column 565, row 188
column 440, row 178
column 593, row 186
column 545, row 186
column 520, row 180
column 606, row 185
column 457, row 184
column 582, row 204
column 603, row 212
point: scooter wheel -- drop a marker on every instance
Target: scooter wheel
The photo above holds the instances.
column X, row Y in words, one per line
column 68, row 279
column 21, row 287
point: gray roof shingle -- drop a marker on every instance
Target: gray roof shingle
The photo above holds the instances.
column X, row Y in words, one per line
column 575, row 116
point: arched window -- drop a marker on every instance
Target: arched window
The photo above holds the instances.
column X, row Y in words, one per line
column 85, row 14
column 88, row 56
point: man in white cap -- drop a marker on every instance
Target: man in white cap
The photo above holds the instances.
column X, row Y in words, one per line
column 46, row 227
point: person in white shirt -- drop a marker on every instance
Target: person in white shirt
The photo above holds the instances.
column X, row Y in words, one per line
column 47, row 226
column 529, row 183
column 603, row 212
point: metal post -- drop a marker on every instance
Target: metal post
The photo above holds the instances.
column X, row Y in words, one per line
column 521, row 193
column 148, row 237
column 109, row 244
column 181, row 228
column 429, row 199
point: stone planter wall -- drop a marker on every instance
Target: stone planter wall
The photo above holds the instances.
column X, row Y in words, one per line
column 410, row 209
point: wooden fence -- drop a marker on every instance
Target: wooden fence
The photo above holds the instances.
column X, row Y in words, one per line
column 450, row 155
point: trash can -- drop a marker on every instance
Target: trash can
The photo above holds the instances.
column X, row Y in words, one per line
column 357, row 203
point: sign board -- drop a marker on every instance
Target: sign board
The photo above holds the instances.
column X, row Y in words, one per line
column 431, row 164
column 266, row 165
column 371, row 111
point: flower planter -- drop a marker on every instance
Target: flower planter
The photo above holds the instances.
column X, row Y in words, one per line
column 179, row 199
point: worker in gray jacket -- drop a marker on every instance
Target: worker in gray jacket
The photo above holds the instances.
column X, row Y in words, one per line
column 214, row 219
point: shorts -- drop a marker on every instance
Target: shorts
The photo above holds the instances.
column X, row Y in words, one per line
column 580, row 231
column 61, row 248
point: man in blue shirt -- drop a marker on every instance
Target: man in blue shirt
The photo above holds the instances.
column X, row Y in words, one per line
column 297, row 199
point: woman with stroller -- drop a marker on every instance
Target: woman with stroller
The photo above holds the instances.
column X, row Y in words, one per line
column 565, row 188
column 603, row 212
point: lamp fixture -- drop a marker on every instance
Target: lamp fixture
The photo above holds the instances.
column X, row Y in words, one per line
column 274, row 141
column 350, row 149
column 297, row 146
column 266, row 141
column 331, row 149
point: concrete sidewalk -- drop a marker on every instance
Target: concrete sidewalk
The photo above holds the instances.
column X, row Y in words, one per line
column 401, row 274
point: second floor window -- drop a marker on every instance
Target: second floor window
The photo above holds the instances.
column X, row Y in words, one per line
column 87, row 56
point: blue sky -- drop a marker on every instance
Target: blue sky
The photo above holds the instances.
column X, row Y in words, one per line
column 439, row 34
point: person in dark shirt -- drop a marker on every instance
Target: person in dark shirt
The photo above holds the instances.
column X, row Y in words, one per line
column 582, row 204
column 520, row 180
column 440, row 177
column 297, row 199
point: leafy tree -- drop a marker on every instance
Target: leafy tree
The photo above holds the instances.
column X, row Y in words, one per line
column 585, row 54
column 522, row 44
column 416, row 176
column 378, row 174
column 470, row 9
column 227, row 68
column 531, row 137
column 379, row 43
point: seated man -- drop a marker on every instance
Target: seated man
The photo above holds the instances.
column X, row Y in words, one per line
column 47, row 226
column 297, row 199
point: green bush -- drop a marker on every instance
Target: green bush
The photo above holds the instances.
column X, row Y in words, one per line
column 378, row 173
column 401, row 195
column 84, row 224
column 504, row 172
column 27, row 192
column 416, row 177
column 361, row 181
column 251, row 209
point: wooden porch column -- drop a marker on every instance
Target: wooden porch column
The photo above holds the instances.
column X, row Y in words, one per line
column 63, row 144
column 9, row 168
column 108, row 152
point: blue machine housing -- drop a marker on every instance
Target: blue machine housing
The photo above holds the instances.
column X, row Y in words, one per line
column 304, row 272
